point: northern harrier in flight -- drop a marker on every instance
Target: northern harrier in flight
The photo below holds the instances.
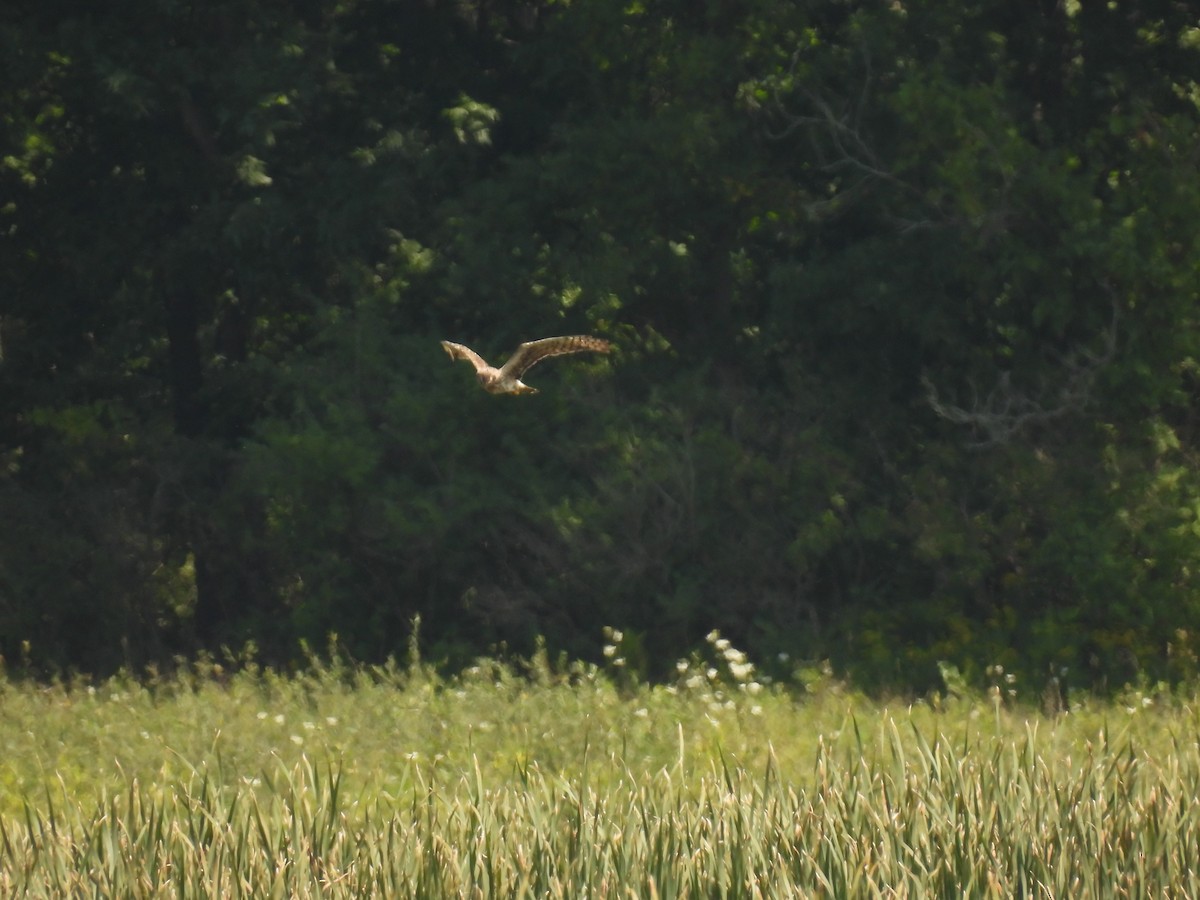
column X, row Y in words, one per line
column 507, row 378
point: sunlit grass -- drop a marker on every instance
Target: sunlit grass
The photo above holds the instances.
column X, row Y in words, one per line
column 566, row 781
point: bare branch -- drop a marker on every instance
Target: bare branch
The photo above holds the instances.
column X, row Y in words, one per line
column 841, row 144
column 1006, row 411
column 843, row 130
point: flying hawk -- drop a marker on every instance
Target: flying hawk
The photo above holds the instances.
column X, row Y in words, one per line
column 507, row 378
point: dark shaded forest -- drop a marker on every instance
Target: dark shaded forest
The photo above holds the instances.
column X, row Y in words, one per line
column 903, row 297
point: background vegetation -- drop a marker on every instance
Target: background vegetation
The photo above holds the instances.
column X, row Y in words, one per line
column 904, row 296
column 543, row 780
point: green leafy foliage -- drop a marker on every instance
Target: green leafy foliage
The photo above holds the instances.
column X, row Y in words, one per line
column 903, row 300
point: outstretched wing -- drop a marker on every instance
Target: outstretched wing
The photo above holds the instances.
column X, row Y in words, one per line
column 458, row 351
column 531, row 353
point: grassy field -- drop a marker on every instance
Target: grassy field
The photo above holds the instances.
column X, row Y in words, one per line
column 570, row 782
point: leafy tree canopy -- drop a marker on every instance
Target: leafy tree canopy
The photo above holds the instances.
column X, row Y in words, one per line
column 904, row 296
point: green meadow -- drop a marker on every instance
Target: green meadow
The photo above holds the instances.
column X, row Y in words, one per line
column 551, row 779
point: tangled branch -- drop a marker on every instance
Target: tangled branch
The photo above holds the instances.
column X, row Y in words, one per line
column 1005, row 410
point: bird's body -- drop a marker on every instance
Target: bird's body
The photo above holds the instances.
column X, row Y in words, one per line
column 507, row 378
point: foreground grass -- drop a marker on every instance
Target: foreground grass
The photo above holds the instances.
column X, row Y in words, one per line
column 382, row 782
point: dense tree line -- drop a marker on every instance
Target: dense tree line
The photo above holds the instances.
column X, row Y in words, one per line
column 904, row 295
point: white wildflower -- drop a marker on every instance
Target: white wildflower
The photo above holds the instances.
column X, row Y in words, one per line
column 741, row 671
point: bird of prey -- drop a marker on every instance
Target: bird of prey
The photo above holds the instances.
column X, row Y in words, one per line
column 507, row 378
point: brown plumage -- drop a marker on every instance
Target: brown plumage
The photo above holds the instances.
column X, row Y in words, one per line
column 507, row 378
